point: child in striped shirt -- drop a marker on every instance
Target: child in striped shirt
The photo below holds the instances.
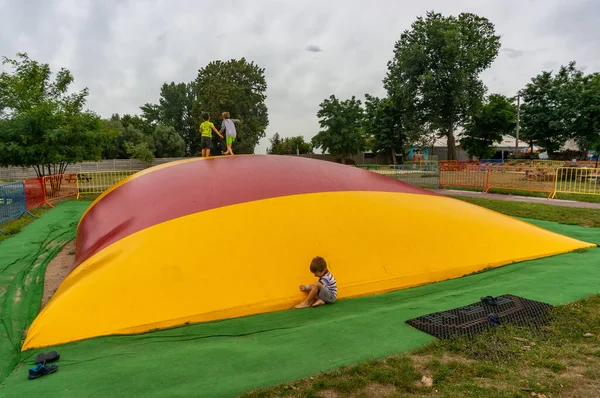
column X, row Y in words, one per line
column 322, row 292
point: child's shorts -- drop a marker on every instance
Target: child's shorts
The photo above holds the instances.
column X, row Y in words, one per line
column 229, row 140
column 327, row 295
column 206, row 142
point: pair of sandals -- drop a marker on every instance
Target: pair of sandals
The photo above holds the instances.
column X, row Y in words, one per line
column 494, row 319
column 41, row 369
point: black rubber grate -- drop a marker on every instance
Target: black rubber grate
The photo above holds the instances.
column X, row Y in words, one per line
column 474, row 319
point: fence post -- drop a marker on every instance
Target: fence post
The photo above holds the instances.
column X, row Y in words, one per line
column 555, row 182
column 487, row 180
column 77, row 182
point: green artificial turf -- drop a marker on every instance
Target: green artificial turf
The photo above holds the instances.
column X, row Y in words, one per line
column 229, row 357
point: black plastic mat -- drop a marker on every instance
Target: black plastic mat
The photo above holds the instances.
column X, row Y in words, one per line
column 475, row 318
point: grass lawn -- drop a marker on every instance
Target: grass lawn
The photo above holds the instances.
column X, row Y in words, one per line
column 563, row 215
column 563, row 359
column 507, row 362
column 563, row 196
column 14, row 225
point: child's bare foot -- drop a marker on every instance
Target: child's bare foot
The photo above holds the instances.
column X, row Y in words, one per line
column 319, row 302
column 304, row 304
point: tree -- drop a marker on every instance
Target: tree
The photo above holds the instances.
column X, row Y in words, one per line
column 44, row 126
column 490, row 122
column 551, row 110
column 168, row 142
column 138, row 123
column 383, row 125
column 289, row 145
column 113, row 131
column 238, row 87
column 586, row 123
column 341, row 123
column 276, row 143
column 140, row 151
column 437, row 63
column 175, row 109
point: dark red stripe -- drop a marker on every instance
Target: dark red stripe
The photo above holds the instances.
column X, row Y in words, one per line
column 201, row 185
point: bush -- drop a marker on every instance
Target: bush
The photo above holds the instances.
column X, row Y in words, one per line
column 568, row 154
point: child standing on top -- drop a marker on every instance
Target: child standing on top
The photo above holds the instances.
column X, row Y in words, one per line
column 230, row 133
column 206, row 129
column 322, row 292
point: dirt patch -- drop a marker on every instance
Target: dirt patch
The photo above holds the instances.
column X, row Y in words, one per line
column 17, row 296
column 329, row 394
column 379, row 390
column 57, row 271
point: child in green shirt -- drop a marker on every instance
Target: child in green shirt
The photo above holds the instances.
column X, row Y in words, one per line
column 206, row 129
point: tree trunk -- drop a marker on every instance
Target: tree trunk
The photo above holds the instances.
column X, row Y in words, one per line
column 451, row 144
column 394, row 159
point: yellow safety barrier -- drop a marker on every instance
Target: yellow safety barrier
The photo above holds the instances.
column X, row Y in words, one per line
column 99, row 181
column 548, row 163
column 576, row 180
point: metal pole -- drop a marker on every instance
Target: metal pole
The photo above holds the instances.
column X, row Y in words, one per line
column 518, row 120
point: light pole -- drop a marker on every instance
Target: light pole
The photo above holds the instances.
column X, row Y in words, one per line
column 518, row 120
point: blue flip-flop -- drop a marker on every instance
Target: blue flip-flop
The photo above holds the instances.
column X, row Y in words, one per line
column 41, row 370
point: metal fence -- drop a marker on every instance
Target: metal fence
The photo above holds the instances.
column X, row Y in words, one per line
column 423, row 174
column 517, row 178
column 12, row 201
column 60, row 186
column 98, row 182
column 583, row 181
column 548, row 179
column 467, row 177
column 35, row 194
column 387, row 170
column 23, row 173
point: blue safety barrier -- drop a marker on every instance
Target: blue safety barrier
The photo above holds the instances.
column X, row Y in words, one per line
column 12, row 201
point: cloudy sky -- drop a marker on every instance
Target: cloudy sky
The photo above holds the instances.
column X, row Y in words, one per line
column 123, row 50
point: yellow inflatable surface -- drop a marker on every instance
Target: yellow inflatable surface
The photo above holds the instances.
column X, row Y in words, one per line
column 248, row 256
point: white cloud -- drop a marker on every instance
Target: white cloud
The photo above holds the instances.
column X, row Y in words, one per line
column 124, row 50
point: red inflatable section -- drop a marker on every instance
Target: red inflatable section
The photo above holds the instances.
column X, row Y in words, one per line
column 191, row 187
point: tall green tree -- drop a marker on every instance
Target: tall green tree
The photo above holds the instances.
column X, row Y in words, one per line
column 437, row 63
column 289, row 145
column 551, row 111
column 383, row 124
column 238, row 87
column 490, row 122
column 113, row 131
column 175, row 109
column 138, row 123
column 586, row 123
column 44, row 124
column 341, row 122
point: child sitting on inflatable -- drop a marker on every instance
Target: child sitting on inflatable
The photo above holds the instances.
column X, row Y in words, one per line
column 322, row 292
